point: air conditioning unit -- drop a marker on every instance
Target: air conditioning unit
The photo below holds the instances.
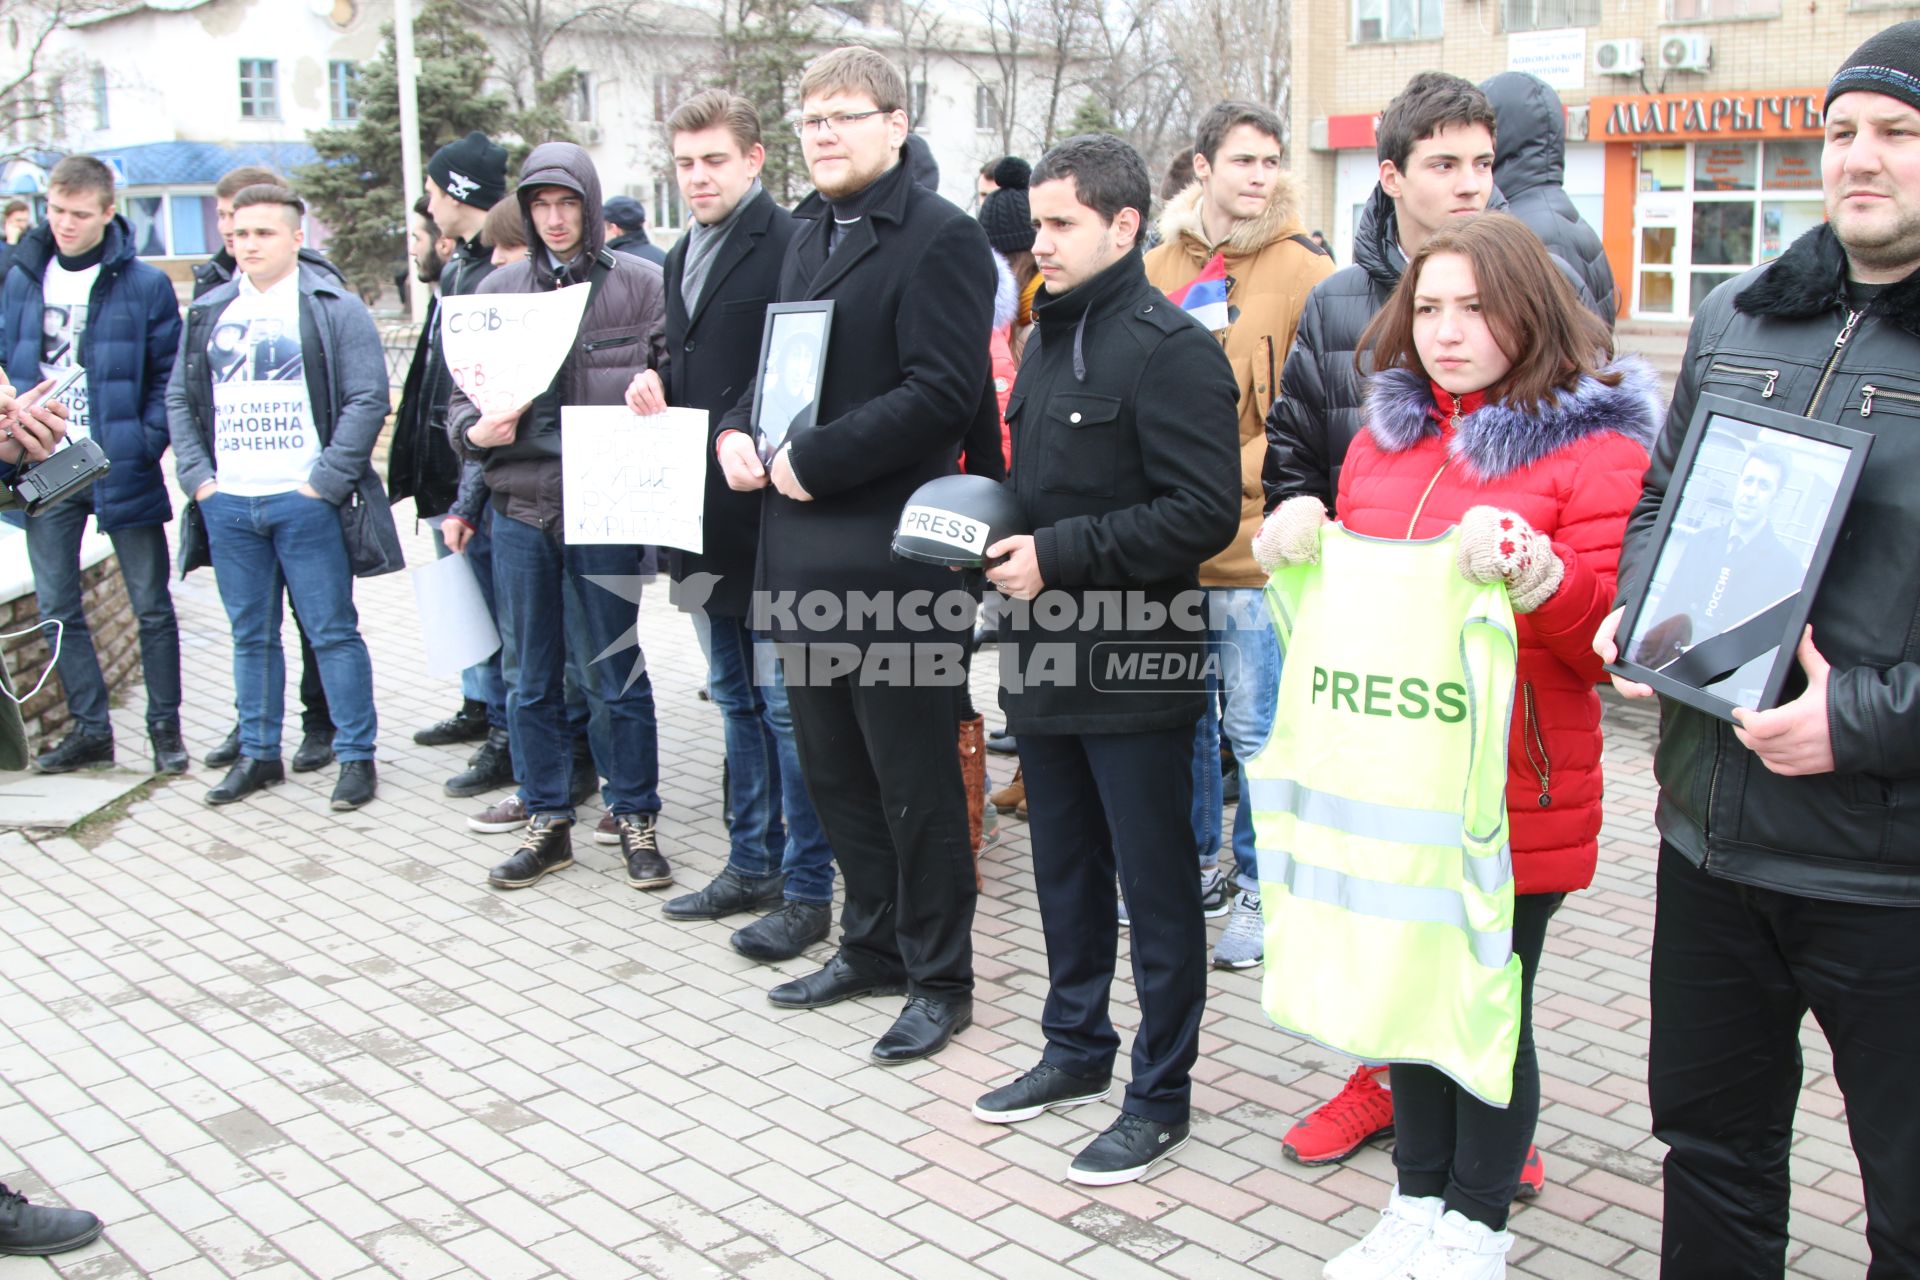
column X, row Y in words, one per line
column 1618, row 58
column 1686, row 53
column 588, row 134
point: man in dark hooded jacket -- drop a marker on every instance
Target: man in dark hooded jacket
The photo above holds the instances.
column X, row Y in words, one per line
column 1529, row 168
column 622, row 332
column 1436, row 147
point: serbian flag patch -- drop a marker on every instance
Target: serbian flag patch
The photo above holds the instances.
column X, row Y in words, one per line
column 1205, row 296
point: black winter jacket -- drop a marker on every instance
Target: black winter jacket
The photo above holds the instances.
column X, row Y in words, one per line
column 1321, row 389
column 1126, row 464
column 906, row 367
column 422, row 464
column 711, row 354
column 1530, row 166
column 1783, row 335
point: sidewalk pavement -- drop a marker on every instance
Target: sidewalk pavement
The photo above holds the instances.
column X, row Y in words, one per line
column 272, row 1041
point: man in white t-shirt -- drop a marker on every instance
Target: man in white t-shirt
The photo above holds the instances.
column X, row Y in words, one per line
column 280, row 393
column 76, row 295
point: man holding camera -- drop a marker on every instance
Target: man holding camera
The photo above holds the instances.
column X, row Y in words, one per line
column 78, row 296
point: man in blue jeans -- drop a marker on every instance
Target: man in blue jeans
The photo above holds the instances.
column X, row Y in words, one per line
column 716, row 276
column 276, row 401
column 519, row 448
column 78, row 296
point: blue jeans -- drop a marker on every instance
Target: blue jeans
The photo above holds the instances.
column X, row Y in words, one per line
column 53, row 552
column 261, row 545
column 763, row 765
column 484, row 680
column 1250, row 670
column 539, row 582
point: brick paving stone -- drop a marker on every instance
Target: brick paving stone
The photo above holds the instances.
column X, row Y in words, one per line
column 267, row 1040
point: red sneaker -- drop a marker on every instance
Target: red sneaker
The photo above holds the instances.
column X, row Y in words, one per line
column 1348, row 1121
column 1533, row 1176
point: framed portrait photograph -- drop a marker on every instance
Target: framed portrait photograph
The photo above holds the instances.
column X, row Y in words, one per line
column 793, row 358
column 1749, row 521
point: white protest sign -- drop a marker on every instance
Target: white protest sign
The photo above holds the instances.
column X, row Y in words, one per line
column 629, row 479
column 504, row 348
column 459, row 630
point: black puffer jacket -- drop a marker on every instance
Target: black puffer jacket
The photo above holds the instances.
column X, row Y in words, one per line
column 1779, row 336
column 1321, row 388
column 1530, row 166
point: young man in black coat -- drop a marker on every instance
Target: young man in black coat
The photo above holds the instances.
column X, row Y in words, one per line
column 913, row 281
column 720, row 276
column 1126, row 464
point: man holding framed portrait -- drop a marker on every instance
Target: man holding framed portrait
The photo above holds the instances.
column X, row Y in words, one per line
column 1789, row 871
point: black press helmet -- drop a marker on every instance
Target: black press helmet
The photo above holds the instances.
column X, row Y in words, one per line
column 953, row 520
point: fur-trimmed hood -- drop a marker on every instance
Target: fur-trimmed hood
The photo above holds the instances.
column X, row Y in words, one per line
column 1280, row 219
column 1496, row 440
column 1811, row 278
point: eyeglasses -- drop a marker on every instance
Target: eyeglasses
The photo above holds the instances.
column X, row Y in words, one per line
column 833, row 124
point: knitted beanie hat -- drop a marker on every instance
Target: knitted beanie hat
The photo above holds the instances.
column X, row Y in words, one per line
column 473, row 170
column 1004, row 214
column 1887, row 63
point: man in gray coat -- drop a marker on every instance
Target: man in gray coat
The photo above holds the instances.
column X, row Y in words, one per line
column 622, row 333
column 278, row 458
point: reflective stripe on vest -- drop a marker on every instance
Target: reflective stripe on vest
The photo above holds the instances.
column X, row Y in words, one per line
column 1379, row 810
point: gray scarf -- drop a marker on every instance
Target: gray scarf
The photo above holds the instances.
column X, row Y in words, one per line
column 703, row 243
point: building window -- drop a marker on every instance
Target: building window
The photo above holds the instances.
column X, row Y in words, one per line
column 986, row 110
column 343, row 91
column 917, row 100
column 259, row 89
column 1708, row 10
column 583, row 97
column 1549, row 15
column 99, row 97
column 667, row 211
column 1375, row 21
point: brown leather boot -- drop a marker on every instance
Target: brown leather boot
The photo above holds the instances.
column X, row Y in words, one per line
column 973, row 770
column 1011, row 796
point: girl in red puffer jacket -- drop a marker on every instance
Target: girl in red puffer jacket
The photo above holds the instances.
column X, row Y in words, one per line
column 1492, row 411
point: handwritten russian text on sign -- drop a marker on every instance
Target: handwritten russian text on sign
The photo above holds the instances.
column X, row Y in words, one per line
column 629, row 479
column 504, row 348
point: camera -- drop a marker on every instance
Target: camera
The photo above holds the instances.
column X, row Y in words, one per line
column 69, row 471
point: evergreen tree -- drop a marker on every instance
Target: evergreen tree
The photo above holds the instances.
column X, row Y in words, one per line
column 1092, row 116
column 356, row 187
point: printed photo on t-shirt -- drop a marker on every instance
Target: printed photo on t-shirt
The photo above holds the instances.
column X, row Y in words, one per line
column 258, row 350
column 61, row 327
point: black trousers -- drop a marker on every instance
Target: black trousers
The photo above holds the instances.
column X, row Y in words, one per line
column 884, row 773
column 1735, row 970
column 1449, row 1143
column 1097, row 803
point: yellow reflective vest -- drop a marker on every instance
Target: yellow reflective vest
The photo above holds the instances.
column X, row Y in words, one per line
column 1380, row 811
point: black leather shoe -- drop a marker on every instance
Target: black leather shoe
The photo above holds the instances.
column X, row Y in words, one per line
column 547, row 846
column 246, row 777
column 490, row 768
column 227, row 752
column 728, row 895
column 1036, row 1092
column 34, row 1231
column 316, row 751
column 1129, row 1149
column 77, row 751
column 786, row 933
column 922, row 1030
column 1000, row 742
column 640, row 845
column 838, row 981
column 468, row 724
column 356, row 785
column 169, row 753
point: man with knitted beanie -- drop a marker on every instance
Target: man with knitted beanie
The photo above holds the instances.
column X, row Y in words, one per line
column 1787, row 871
column 1240, row 216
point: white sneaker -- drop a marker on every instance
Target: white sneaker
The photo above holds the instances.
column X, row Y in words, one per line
column 1383, row 1253
column 1216, row 893
column 1245, row 939
column 1461, row 1249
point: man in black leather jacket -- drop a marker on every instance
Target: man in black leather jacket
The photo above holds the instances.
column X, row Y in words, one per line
column 1789, row 865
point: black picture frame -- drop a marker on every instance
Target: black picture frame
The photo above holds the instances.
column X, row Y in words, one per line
column 1719, row 613
column 793, row 361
